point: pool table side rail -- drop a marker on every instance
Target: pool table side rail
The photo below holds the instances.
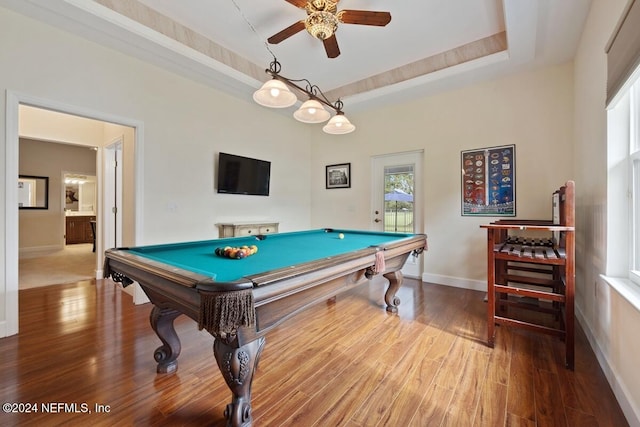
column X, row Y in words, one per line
column 342, row 264
column 162, row 291
column 290, row 290
column 413, row 243
column 191, row 279
column 175, row 274
column 285, row 298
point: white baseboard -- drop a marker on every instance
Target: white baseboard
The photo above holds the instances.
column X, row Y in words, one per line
column 7, row 329
column 631, row 412
column 40, row 249
column 456, row 282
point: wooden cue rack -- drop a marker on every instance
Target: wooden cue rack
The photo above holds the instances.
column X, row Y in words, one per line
column 536, row 273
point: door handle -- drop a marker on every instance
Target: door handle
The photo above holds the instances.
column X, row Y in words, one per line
column 377, row 220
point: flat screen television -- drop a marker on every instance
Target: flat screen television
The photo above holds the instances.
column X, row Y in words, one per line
column 243, row 175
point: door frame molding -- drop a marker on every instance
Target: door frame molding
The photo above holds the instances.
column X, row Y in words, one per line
column 9, row 325
column 110, row 232
column 377, row 200
column 418, row 191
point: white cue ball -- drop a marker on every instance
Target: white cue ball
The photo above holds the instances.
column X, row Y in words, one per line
column 340, row 236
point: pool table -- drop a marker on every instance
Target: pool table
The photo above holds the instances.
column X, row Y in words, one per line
column 239, row 300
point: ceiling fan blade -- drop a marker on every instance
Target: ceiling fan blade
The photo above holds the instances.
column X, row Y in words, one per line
column 331, row 46
column 298, row 3
column 286, row 33
column 364, row 17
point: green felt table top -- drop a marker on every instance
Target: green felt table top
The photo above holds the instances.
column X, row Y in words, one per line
column 274, row 251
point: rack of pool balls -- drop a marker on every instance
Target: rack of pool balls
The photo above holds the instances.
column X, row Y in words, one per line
column 236, row 253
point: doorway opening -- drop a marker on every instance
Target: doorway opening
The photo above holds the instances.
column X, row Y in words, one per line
column 56, row 243
column 111, row 126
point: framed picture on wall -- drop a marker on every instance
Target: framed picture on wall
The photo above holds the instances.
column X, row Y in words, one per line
column 71, row 197
column 489, row 181
column 338, row 176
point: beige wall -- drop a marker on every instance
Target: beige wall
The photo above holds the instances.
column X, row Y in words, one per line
column 183, row 125
column 532, row 110
column 610, row 321
column 556, row 118
column 75, row 131
column 47, row 125
column 554, row 115
column 44, row 229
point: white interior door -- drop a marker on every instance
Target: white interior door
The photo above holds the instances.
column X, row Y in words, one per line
column 396, row 194
column 113, row 195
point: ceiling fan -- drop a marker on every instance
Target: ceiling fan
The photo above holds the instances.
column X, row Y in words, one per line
column 322, row 22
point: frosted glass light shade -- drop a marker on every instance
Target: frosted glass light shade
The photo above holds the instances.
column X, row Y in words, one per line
column 311, row 111
column 274, row 94
column 339, row 125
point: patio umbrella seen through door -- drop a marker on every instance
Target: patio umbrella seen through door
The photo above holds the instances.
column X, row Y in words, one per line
column 397, row 195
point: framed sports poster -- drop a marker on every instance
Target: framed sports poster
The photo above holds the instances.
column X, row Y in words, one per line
column 489, row 181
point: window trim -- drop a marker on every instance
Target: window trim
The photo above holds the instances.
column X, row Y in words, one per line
column 633, row 155
column 623, row 206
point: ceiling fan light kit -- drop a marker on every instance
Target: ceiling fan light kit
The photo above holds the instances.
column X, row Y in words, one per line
column 321, row 25
column 322, row 22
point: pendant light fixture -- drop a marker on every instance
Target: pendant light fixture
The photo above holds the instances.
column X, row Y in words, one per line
column 339, row 125
column 311, row 112
column 276, row 94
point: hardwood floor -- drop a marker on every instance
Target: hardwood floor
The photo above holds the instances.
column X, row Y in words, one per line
column 344, row 362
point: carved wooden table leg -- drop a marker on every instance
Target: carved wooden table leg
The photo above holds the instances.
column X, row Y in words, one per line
column 238, row 366
column 162, row 323
column 395, row 281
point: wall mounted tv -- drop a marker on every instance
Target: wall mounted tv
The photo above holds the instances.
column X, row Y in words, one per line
column 243, row 175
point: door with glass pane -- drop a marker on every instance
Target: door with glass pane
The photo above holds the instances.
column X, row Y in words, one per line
column 396, row 197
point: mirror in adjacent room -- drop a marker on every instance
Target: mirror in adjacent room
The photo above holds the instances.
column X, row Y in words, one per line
column 33, row 192
column 79, row 194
